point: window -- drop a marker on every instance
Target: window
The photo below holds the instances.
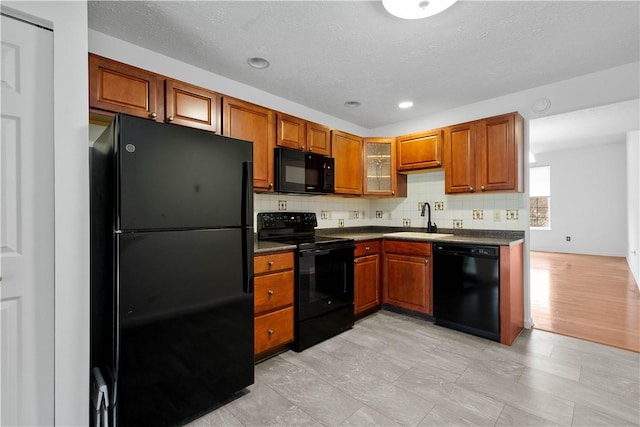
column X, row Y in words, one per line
column 539, row 197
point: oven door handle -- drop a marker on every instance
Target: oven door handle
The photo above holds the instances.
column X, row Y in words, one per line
column 314, row 252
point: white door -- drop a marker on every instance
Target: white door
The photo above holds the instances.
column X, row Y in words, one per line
column 26, row 218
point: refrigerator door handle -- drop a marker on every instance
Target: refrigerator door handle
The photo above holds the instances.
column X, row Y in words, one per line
column 247, row 253
column 247, row 194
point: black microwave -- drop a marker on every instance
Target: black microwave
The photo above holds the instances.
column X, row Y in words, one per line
column 300, row 172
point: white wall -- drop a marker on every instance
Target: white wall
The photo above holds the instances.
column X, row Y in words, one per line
column 69, row 23
column 633, row 203
column 588, row 201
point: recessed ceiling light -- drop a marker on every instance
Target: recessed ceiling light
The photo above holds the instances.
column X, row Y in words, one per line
column 541, row 105
column 352, row 104
column 416, row 9
column 257, row 62
column 405, row 104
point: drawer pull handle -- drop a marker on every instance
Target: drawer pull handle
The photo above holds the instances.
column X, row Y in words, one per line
column 367, row 248
column 270, row 292
column 270, row 331
column 270, row 263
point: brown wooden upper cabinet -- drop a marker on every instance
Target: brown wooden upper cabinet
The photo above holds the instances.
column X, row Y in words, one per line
column 347, row 151
column 299, row 134
column 121, row 88
column 485, row 155
column 118, row 87
column 422, row 150
column 251, row 122
column 192, row 106
column 380, row 175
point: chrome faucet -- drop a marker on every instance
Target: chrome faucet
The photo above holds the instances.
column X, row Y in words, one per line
column 431, row 228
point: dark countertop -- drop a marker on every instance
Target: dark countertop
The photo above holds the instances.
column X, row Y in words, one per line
column 263, row 247
column 479, row 237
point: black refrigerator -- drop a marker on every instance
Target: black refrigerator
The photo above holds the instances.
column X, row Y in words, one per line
column 171, row 270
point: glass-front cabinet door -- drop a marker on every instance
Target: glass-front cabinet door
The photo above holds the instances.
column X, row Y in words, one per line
column 380, row 170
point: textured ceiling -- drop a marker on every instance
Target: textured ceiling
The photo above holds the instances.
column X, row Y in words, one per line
column 324, row 53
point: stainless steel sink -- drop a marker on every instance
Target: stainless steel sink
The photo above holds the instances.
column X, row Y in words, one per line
column 418, row 235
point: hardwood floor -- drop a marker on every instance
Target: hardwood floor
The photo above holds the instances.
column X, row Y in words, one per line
column 594, row 298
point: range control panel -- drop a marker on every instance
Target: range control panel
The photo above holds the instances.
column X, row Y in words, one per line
column 280, row 220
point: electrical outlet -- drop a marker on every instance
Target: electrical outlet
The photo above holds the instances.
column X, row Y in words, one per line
column 478, row 214
column 457, row 224
column 438, row 206
column 354, row 215
column 282, row 205
column 341, row 223
column 378, row 214
column 324, row 215
column 512, row 214
column 568, row 238
column 497, row 216
column 406, row 222
column 420, row 206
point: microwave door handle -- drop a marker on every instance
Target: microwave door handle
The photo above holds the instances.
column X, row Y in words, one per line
column 324, row 175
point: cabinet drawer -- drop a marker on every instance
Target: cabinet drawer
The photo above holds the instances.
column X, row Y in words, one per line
column 273, row 329
column 407, row 247
column 272, row 262
column 367, row 248
column 272, row 291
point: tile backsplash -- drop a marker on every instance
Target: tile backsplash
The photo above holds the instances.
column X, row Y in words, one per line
column 492, row 211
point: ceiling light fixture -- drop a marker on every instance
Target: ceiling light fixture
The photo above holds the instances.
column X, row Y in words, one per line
column 416, row 9
column 352, row 104
column 405, row 105
column 259, row 63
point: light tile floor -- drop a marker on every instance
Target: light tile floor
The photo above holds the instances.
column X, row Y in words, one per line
column 395, row 370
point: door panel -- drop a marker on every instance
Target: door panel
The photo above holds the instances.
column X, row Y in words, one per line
column 26, row 217
column 186, row 323
column 176, row 177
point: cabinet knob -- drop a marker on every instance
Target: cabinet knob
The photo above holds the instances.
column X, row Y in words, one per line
column 153, row 115
column 393, row 193
column 472, row 189
column 170, row 118
column 270, row 292
column 482, row 187
column 367, row 248
column 438, row 163
column 426, row 261
column 271, row 185
column 270, row 331
column 302, row 148
column 355, row 261
column 270, row 263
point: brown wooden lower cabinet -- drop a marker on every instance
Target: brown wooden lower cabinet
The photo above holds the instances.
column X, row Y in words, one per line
column 272, row 330
column 407, row 275
column 273, row 302
column 367, row 276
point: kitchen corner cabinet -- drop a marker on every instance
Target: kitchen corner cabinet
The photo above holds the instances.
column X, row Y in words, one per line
column 121, row 88
column 380, row 175
column 299, row 134
column 251, row 122
column 485, row 155
column 273, row 302
column 422, row 150
column 367, row 276
column 347, row 151
column 406, row 279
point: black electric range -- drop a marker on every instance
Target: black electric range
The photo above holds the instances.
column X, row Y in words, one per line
column 324, row 285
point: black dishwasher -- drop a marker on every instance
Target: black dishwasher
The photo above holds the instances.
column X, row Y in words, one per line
column 466, row 288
